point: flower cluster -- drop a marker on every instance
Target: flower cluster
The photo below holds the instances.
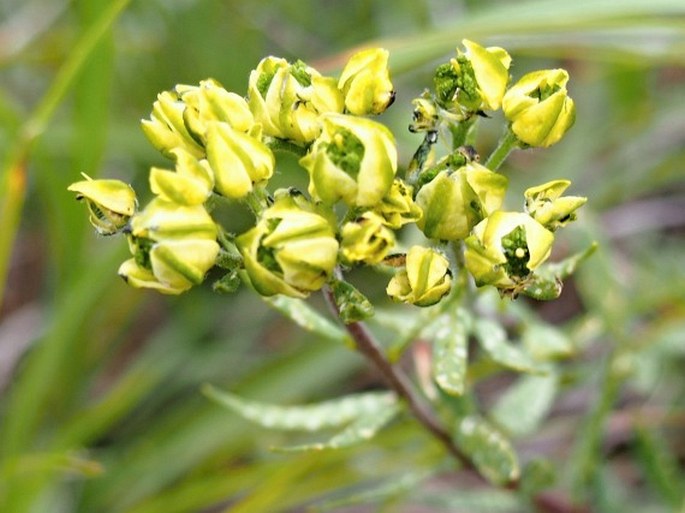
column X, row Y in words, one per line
column 222, row 147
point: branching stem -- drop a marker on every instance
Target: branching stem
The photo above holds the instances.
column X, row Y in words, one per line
column 398, row 381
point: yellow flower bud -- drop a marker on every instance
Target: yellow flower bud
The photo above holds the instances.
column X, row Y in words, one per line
column 174, row 265
column 424, row 280
column 365, row 82
column 292, row 250
column 539, row 108
column 354, row 159
column 239, row 161
column 475, row 80
column 164, row 220
column 366, row 239
column 453, row 203
column 397, row 207
column 546, row 205
column 425, row 115
column 287, row 99
column 190, row 184
column 505, row 248
column 166, row 128
column 110, row 203
column 211, row 102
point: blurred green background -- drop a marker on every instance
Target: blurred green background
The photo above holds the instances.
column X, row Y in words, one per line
column 100, row 409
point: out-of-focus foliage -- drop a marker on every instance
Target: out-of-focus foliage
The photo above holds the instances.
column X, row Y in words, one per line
column 101, row 409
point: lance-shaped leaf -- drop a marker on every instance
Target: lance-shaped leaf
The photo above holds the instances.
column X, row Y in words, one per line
column 352, row 304
column 313, row 417
column 493, row 339
column 450, row 352
column 545, row 342
column 488, row 449
column 306, row 317
column 361, row 429
column 521, row 409
column 546, row 282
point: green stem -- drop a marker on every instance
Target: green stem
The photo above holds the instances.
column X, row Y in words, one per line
column 461, row 131
column 506, row 144
column 397, row 380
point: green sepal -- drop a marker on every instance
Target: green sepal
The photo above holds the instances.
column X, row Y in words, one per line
column 228, row 283
column 489, row 450
column 352, row 304
column 546, row 283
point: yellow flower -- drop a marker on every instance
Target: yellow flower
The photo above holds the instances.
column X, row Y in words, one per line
column 354, row 159
column 505, row 248
column 166, row 129
column 239, row 161
column 164, row 220
column 365, row 82
column 190, row 184
column 547, row 206
column 287, row 99
column 424, row 280
column 211, row 102
column 110, row 203
column 539, row 108
column 475, row 80
column 366, row 239
column 454, row 202
column 292, row 250
column 397, row 207
column 174, row 265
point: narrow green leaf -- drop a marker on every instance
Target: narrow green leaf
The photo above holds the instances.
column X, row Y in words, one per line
column 363, row 428
column 545, row 342
column 450, row 352
column 493, row 340
column 521, row 409
column 312, row 417
column 489, row 450
column 486, row 500
column 306, row 317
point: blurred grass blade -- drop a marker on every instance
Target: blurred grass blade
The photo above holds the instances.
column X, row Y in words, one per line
column 660, row 467
column 306, row 317
column 363, row 428
column 306, row 418
column 388, row 489
column 521, row 409
column 13, row 174
column 493, row 339
column 450, row 352
column 488, row 449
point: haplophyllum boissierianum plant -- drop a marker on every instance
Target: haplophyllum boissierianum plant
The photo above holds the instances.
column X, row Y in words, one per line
column 222, row 148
